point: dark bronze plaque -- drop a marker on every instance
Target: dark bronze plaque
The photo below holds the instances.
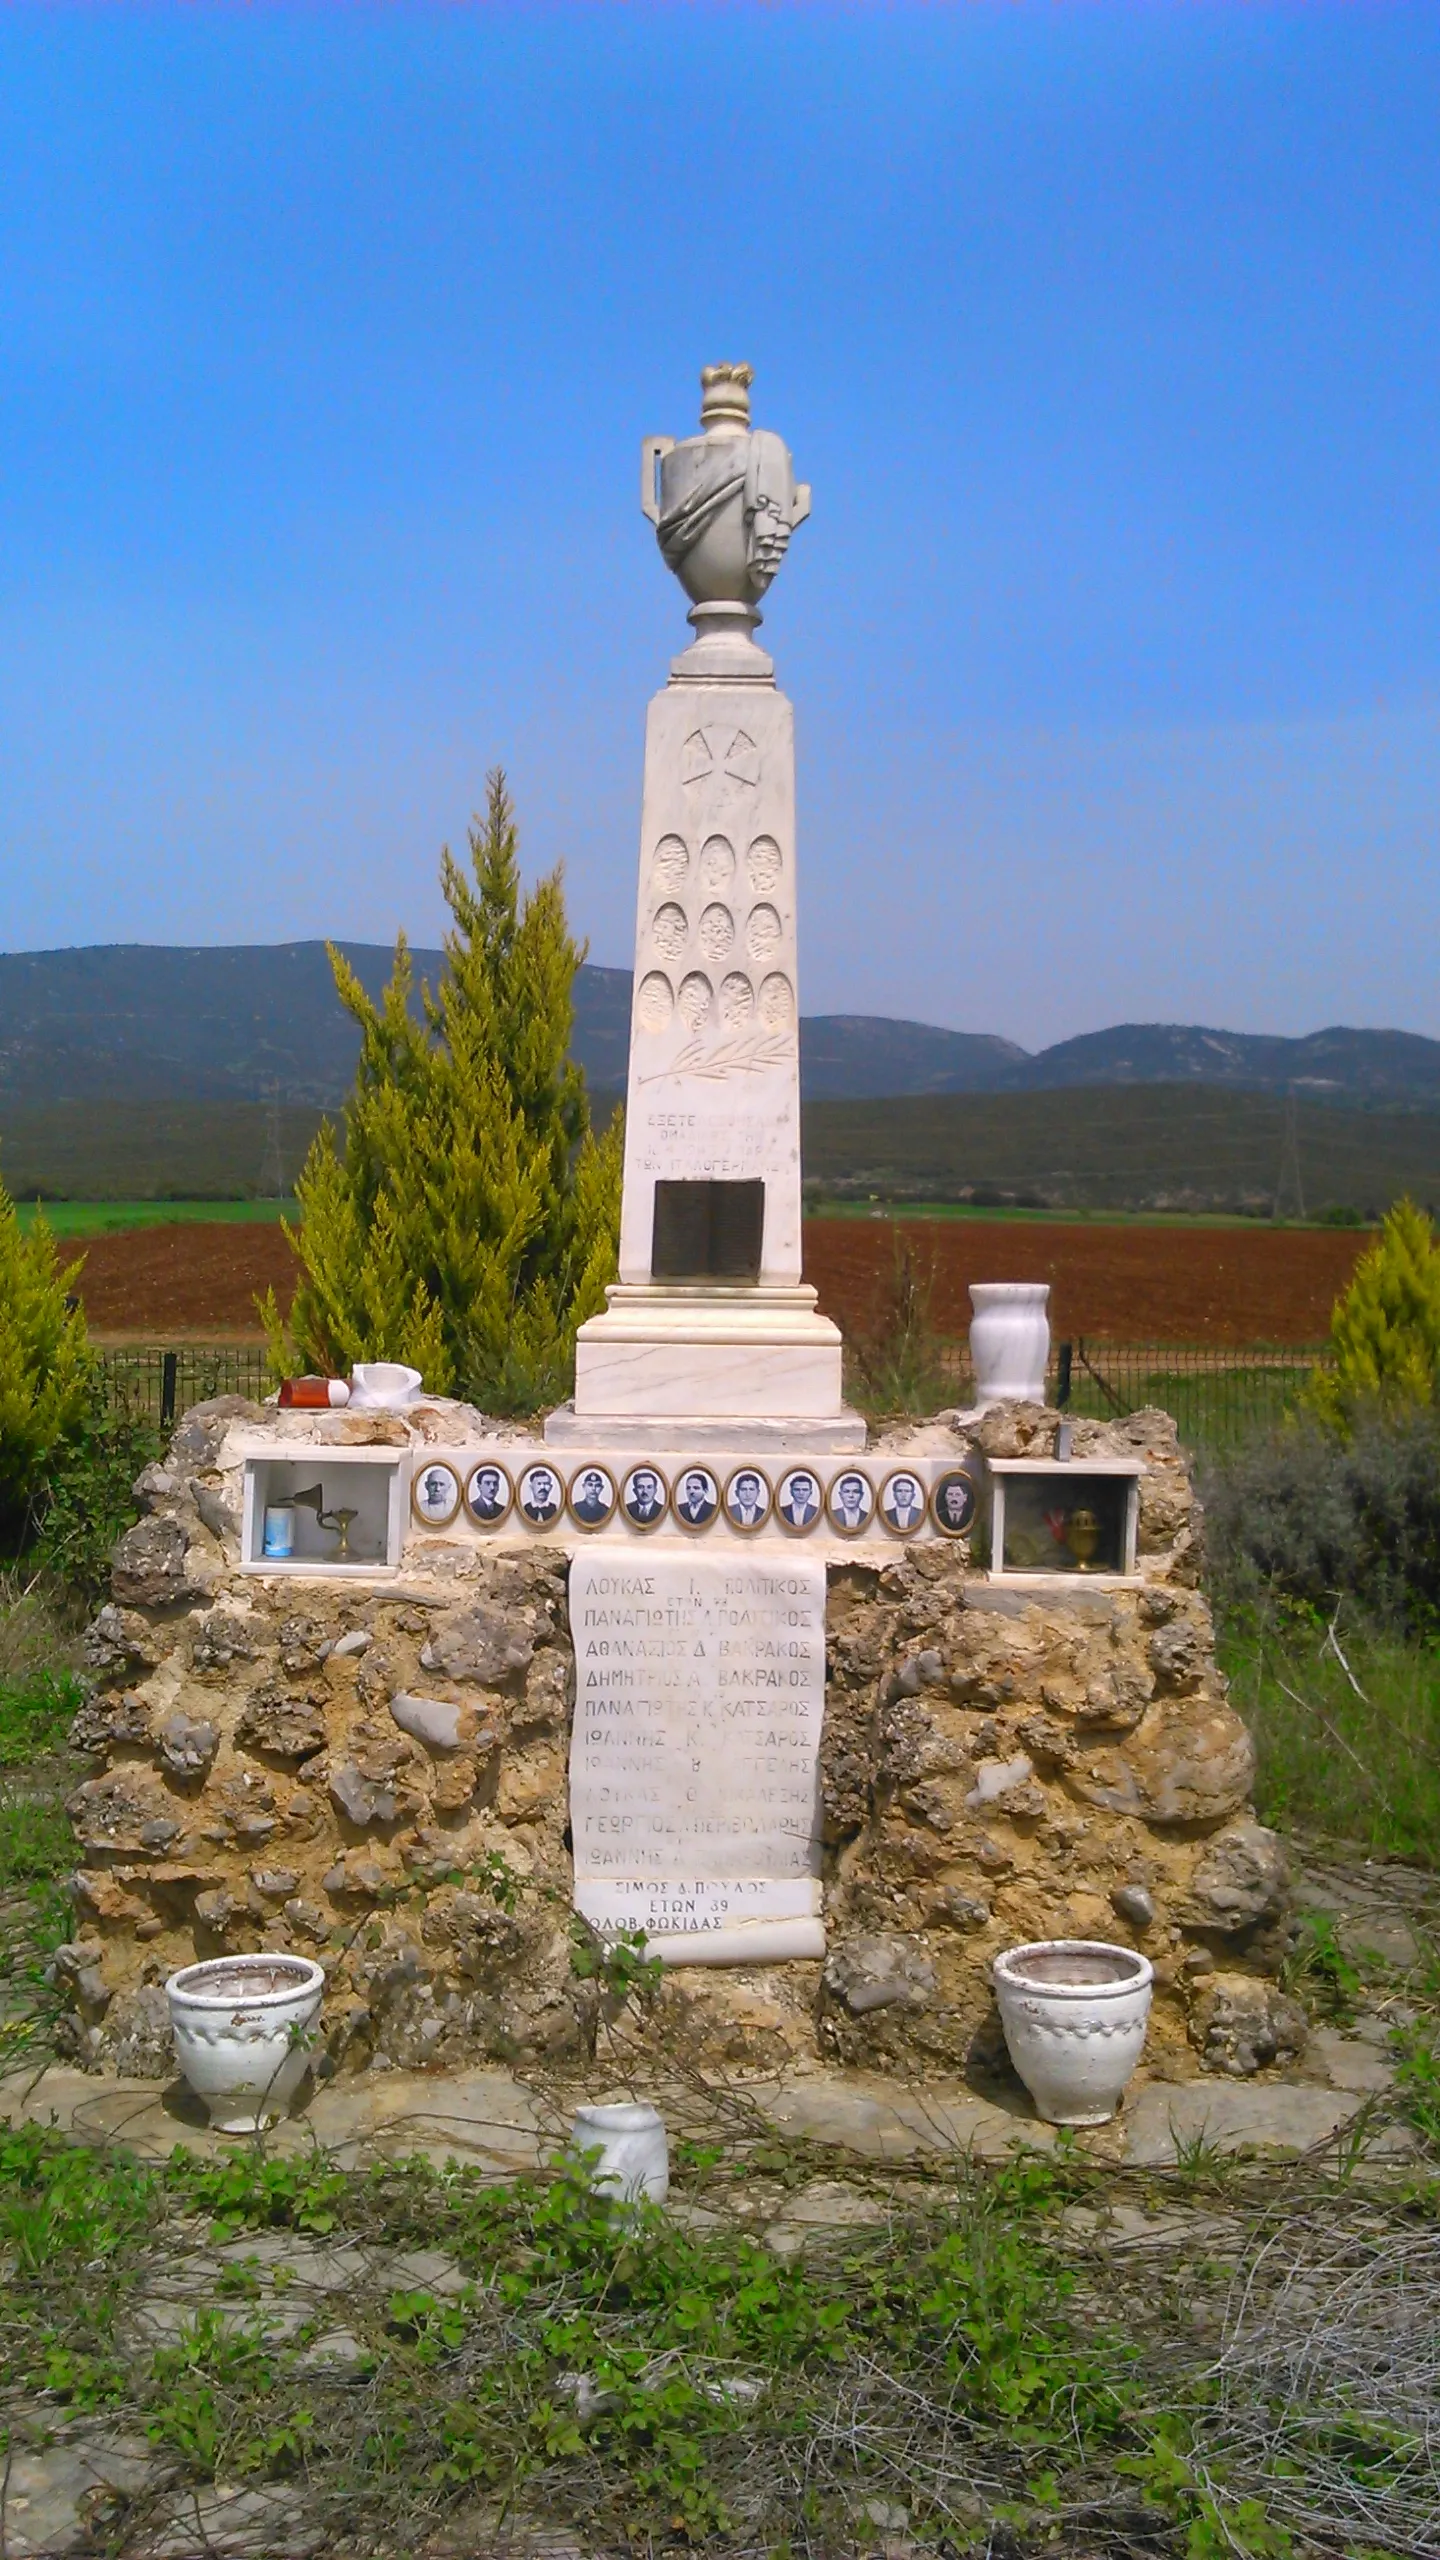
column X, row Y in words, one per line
column 708, row 1230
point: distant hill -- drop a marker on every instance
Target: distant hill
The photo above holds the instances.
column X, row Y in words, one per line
column 138, row 1023
column 1325, row 1066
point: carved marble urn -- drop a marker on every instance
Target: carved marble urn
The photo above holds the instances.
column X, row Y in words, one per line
column 724, row 503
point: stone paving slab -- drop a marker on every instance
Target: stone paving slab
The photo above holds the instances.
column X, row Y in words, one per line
column 1234, row 2115
column 49, row 2495
column 495, row 2123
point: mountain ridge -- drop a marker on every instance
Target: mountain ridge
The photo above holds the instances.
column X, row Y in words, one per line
column 245, row 1022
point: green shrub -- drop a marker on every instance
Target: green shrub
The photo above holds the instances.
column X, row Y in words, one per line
column 1386, row 1329
column 44, row 1361
column 87, row 1499
column 470, row 1224
column 1306, row 1517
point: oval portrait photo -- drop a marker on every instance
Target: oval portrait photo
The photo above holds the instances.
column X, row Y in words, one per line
column 696, row 1498
column 488, row 1493
column 592, row 1496
column 797, row 1504
column 953, row 1499
column 851, row 1503
column 747, row 1499
column 644, row 1496
column 435, row 1494
column 902, row 1503
column 540, row 1496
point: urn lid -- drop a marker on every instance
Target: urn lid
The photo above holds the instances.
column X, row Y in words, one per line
column 725, row 398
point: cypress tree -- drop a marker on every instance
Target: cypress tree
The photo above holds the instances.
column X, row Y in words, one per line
column 45, row 1362
column 1386, row 1328
column 469, row 1223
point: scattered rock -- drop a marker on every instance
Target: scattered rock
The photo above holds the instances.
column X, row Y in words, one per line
column 1134, row 1904
column 1242, row 1881
column 217, row 1516
column 879, row 1973
column 286, row 1727
column 188, row 1745
column 485, row 1645
column 1241, row 2025
column 437, row 1722
column 150, row 1567
column 359, row 1798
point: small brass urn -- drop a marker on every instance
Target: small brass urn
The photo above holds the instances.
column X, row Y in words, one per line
column 1082, row 1537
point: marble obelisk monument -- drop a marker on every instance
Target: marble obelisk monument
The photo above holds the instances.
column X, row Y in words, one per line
column 710, row 1324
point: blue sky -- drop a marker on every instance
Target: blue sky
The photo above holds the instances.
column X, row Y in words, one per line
column 1106, row 336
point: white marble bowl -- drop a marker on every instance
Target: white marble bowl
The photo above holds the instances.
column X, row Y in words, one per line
column 1074, row 2012
column 383, row 1385
column 634, row 2155
column 241, row 2026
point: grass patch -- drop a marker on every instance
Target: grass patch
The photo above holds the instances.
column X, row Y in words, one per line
column 971, row 2369
column 1347, row 1727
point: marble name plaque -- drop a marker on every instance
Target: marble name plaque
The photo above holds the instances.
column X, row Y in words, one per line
column 694, row 1759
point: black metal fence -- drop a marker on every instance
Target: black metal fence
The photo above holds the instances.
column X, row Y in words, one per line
column 1219, row 1395
column 162, row 1384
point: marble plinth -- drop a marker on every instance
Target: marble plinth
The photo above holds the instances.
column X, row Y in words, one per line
column 708, row 1358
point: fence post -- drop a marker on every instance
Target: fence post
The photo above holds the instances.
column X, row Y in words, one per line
column 169, row 1366
column 1062, row 1375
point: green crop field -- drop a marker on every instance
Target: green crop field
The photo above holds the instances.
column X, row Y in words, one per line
column 112, row 1217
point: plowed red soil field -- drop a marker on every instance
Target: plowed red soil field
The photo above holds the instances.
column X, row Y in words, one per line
column 1130, row 1283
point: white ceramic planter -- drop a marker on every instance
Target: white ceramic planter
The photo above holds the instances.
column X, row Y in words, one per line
column 634, row 2155
column 239, row 2025
column 383, row 1385
column 1074, row 2012
column 1009, row 1340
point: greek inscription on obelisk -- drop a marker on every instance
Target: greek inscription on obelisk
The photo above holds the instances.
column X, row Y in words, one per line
column 694, row 1763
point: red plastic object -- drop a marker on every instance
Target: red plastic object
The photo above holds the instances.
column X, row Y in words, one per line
column 314, row 1393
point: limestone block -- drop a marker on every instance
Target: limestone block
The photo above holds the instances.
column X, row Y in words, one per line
column 222, row 1638
column 1241, row 1883
column 483, row 1644
column 103, row 1722
column 1188, row 1761
column 112, row 1814
column 439, row 1723
column 282, row 1726
column 117, row 1643
column 1241, row 2025
column 188, row 1746
column 302, row 1644
column 151, row 1567
column 361, row 1801
column 879, row 1973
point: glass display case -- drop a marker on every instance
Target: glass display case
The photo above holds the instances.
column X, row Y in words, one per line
column 1072, row 1517
column 324, row 1511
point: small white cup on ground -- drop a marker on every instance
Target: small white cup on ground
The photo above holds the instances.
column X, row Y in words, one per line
column 1074, row 2012
column 241, row 2033
column 634, row 2154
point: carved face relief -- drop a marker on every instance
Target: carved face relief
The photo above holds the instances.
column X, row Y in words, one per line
column 764, row 863
column 717, row 932
column 669, row 865
column 717, row 865
column 654, row 1002
column 777, row 1002
column 763, row 933
column 670, row 931
column 737, row 1001
column 695, row 999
